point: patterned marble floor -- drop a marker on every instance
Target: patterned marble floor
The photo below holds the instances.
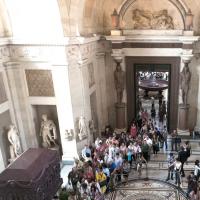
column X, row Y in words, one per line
column 147, row 189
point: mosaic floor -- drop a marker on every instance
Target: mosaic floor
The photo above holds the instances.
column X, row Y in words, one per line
column 150, row 189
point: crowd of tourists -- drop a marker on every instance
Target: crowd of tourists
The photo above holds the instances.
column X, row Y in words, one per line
column 110, row 159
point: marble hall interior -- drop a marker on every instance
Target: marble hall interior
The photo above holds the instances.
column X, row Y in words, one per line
column 99, row 99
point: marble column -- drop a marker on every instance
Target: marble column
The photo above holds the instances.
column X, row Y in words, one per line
column 64, row 111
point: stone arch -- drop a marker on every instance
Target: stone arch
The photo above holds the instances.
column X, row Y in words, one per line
column 178, row 4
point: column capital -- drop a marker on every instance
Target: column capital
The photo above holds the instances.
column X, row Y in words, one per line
column 11, row 65
column 186, row 59
column 82, row 62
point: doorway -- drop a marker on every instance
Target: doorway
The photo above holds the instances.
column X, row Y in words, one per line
column 153, row 64
column 152, row 92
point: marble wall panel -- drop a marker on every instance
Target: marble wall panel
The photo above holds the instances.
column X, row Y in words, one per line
column 40, row 83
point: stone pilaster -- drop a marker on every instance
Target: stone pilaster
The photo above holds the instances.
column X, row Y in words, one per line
column 101, row 91
column 64, row 110
column 120, row 107
column 22, row 110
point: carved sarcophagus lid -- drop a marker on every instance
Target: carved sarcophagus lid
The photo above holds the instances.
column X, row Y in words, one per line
column 35, row 175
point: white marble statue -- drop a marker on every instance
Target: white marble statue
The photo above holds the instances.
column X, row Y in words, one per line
column 14, row 139
column 48, row 132
column 83, row 130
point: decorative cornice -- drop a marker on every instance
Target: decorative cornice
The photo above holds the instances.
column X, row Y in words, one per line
column 154, row 39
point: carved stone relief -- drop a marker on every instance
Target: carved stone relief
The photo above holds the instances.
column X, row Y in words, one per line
column 40, row 83
column 144, row 19
column 3, row 96
column 91, row 75
column 151, row 14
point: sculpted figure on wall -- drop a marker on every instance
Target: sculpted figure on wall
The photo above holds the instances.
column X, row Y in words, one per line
column 185, row 77
column 144, row 19
column 48, row 132
column 14, row 139
column 69, row 134
column 83, row 130
column 119, row 77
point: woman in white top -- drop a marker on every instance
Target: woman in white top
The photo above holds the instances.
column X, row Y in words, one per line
column 177, row 169
column 197, row 169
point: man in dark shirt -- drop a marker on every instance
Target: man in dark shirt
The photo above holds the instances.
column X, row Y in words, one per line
column 182, row 155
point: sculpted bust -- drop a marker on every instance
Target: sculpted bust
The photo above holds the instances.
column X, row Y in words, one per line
column 14, row 139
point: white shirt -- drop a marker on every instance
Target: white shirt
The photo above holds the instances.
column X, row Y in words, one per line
column 196, row 169
column 149, row 142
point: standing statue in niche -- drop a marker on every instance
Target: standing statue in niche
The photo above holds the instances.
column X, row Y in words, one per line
column 92, row 129
column 83, row 130
column 119, row 77
column 185, row 77
column 48, row 132
column 14, row 139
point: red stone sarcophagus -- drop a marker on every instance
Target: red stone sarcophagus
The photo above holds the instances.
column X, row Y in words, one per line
column 35, row 175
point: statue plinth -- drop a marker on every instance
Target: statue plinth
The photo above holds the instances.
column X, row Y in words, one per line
column 120, row 115
column 183, row 115
column 115, row 32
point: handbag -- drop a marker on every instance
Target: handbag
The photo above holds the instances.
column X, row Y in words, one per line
column 103, row 183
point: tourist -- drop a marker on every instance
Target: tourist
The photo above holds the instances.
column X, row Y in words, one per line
column 125, row 170
column 155, row 144
column 182, row 155
column 145, row 150
column 190, row 183
column 173, row 140
column 73, row 178
column 133, row 131
column 101, row 179
column 197, row 169
column 171, row 163
column 177, row 169
column 139, row 163
column 86, row 152
column 164, row 134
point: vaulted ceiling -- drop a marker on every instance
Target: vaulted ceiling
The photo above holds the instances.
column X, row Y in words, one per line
column 74, row 17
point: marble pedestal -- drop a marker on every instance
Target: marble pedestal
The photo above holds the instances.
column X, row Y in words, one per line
column 183, row 116
column 120, row 115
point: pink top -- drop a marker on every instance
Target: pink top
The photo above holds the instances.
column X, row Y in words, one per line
column 133, row 131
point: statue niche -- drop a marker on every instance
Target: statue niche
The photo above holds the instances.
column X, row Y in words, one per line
column 144, row 19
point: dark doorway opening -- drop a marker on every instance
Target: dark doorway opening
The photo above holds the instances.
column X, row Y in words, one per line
column 152, row 92
column 170, row 64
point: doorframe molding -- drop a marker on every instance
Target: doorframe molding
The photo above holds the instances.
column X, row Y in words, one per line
column 175, row 63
